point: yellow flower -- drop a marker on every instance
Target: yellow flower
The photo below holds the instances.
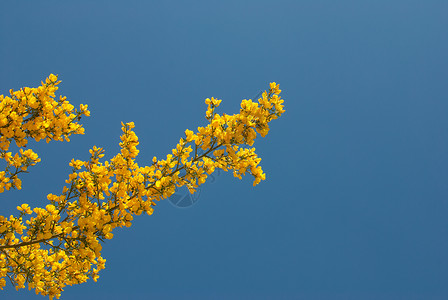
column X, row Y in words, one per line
column 106, row 195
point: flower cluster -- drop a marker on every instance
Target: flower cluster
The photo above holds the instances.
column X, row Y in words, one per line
column 33, row 113
column 59, row 245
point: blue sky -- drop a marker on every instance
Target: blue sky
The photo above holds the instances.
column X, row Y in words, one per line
column 355, row 202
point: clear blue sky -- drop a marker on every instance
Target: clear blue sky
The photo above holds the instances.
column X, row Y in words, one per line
column 355, row 204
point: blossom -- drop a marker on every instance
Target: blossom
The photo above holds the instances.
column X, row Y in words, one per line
column 61, row 244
